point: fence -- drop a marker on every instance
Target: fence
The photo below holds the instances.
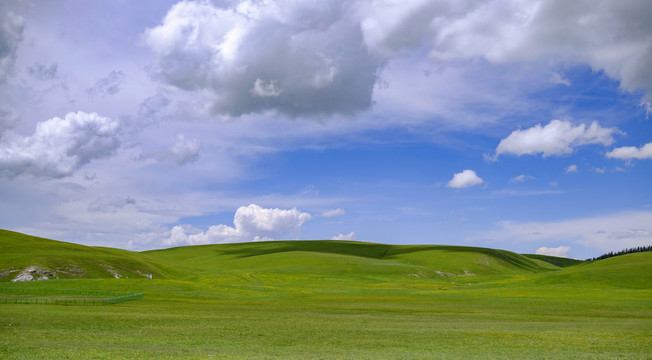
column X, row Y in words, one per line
column 64, row 297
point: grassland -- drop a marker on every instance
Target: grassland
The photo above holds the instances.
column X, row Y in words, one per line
column 328, row 300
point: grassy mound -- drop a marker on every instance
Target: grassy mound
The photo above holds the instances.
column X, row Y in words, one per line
column 633, row 271
column 555, row 260
column 39, row 258
column 348, row 259
column 32, row 258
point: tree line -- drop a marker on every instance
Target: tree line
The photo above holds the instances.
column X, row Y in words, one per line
column 622, row 252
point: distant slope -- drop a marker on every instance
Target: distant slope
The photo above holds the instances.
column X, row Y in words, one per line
column 24, row 255
column 39, row 258
column 557, row 261
column 633, row 271
column 345, row 258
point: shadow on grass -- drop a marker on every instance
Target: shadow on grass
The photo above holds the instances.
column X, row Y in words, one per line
column 366, row 250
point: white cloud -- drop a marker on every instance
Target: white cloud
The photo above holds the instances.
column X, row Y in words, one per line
column 559, row 79
column 560, row 251
column 392, row 26
column 614, row 36
column 262, row 222
column 296, row 58
column 333, row 213
column 186, row 151
column 648, row 108
column 605, row 233
column 345, row 237
column 520, row 178
column 464, row 179
column 556, row 138
column 571, row 169
column 327, row 58
column 631, row 152
column 251, row 223
column 58, row 146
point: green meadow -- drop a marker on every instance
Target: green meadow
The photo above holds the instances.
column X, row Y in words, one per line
column 325, row 300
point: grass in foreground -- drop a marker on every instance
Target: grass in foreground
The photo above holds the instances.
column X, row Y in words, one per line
column 398, row 321
column 347, row 301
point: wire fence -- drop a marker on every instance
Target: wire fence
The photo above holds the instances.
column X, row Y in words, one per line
column 64, row 297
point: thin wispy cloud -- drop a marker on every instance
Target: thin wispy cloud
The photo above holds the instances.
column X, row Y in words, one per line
column 571, row 168
column 520, row 178
column 609, row 232
column 559, row 79
column 109, row 85
column 333, row 213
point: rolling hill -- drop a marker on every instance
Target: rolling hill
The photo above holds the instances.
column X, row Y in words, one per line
column 43, row 259
column 351, row 260
column 631, row 271
column 24, row 257
column 46, row 258
column 325, row 299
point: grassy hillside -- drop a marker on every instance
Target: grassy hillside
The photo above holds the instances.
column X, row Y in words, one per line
column 329, row 300
column 349, row 259
column 626, row 271
column 62, row 260
column 56, row 259
column 555, row 260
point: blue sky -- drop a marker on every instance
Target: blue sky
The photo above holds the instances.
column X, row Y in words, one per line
column 520, row 125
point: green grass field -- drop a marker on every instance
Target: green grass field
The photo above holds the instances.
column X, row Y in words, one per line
column 327, row 300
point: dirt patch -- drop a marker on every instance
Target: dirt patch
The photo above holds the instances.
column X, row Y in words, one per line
column 34, row 272
column 447, row 274
column 484, row 260
column 111, row 271
column 72, row 271
column 148, row 275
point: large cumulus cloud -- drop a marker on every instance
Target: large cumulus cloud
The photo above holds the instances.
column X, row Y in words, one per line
column 613, row 36
column 323, row 57
column 298, row 58
column 59, row 146
column 251, row 223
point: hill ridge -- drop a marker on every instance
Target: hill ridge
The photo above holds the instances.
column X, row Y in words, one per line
column 58, row 259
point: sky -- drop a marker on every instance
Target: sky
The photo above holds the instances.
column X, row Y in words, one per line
column 517, row 125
